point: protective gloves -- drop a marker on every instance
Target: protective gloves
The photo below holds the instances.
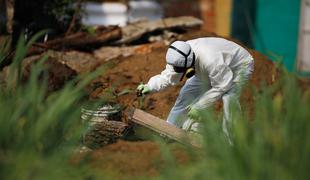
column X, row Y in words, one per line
column 193, row 113
column 143, row 89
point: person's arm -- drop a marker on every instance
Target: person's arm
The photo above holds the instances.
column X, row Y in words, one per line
column 221, row 79
column 166, row 78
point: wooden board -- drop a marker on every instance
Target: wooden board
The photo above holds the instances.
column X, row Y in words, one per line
column 164, row 129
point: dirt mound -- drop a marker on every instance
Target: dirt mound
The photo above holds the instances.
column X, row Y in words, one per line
column 130, row 71
column 121, row 80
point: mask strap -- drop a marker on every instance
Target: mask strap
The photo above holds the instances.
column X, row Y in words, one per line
column 193, row 62
column 179, row 51
column 185, row 56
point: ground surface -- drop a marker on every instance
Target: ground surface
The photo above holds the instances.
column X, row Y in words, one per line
column 135, row 159
column 130, row 71
column 120, row 81
column 138, row 158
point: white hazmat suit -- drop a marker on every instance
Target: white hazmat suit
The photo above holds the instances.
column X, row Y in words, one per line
column 221, row 68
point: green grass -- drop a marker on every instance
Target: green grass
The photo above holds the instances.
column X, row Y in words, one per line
column 39, row 132
column 274, row 145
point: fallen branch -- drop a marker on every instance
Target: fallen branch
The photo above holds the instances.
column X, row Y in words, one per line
column 79, row 40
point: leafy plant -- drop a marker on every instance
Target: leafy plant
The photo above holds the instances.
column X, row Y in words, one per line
column 275, row 145
column 39, row 133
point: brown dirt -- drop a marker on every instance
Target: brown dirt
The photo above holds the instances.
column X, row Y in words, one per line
column 130, row 71
column 135, row 159
column 141, row 158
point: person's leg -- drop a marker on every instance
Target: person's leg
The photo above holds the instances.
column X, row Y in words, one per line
column 232, row 109
column 231, row 105
column 192, row 125
column 192, row 89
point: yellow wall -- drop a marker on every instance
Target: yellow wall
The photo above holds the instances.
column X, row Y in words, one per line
column 222, row 17
column 216, row 16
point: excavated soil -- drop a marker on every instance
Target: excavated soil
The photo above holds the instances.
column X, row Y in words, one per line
column 141, row 158
column 129, row 72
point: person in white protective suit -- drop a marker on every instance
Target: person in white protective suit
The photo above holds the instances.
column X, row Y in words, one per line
column 215, row 67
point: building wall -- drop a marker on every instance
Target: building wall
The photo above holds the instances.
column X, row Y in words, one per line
column 223, row 10
column 277, row 26
column 214, row 13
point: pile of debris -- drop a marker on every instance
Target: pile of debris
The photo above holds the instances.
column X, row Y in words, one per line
column 76, row 53
column 136, row 33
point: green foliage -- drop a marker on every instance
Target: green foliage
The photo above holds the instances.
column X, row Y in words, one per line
column 39, row 132
column 274, row 144
column 4, row 48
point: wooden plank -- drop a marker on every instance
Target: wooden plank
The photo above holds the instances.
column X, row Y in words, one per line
column 164, row 129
